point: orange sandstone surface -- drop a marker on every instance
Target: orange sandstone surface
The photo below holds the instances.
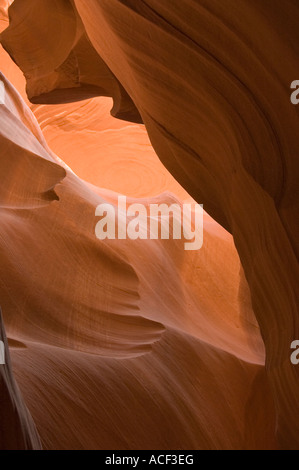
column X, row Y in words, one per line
column 123, row 344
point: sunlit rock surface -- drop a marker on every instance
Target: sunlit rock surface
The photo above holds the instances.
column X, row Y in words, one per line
column 152, row 347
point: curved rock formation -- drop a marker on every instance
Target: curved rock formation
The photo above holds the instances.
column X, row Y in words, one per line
column 215, row 101
column 106, row 149
column 71, row 68
column 94, row 323
column 210, row 80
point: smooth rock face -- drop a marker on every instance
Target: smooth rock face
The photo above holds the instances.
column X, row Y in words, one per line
column 102, row 336
column 71, row 68
column 113, row 327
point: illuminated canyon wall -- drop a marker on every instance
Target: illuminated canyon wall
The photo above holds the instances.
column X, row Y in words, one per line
column 126, row 344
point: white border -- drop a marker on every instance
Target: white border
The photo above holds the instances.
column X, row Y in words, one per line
column 2, row 92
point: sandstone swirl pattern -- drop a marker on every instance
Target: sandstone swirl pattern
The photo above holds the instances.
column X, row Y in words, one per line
column 210, row 80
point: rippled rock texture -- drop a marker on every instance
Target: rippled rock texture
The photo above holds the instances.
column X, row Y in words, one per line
column 153, row 348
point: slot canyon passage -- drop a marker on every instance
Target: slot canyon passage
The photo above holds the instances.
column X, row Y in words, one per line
column 134, row 344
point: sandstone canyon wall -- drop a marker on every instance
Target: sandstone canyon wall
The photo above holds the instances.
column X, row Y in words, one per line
column 156, row 347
